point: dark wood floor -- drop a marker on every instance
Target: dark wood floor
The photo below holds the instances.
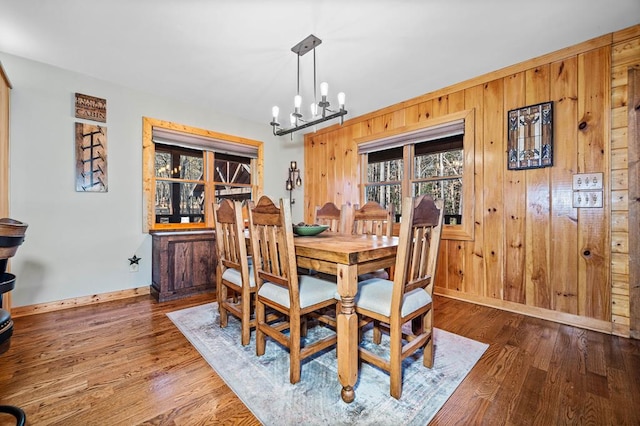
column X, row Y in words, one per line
column 124, row 363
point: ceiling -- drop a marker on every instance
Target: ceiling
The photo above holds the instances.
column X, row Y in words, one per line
column 235, row 56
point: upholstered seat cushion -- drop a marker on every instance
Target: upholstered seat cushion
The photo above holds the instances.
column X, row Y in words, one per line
column 312, row 290
column 234, row 276
column 375, row 295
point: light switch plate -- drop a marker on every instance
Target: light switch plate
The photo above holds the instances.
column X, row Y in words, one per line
column 587, row 181
column 587, row 199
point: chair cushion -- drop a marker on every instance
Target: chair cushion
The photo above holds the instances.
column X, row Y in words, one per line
column 375, row 295
column 234, row 276
column 312, row 290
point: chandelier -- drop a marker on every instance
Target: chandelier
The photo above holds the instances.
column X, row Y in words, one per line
column 319, row 111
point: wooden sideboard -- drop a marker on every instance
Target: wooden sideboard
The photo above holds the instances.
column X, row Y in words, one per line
column 184, row 264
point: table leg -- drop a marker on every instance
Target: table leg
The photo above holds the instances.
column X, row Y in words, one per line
column 347, row 331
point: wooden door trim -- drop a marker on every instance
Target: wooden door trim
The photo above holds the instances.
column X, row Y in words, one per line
column 634, row 201
column 5, row 90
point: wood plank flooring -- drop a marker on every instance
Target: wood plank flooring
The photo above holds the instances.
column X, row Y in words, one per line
column 124, row 363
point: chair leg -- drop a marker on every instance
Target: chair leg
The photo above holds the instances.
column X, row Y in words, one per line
column 427, row 326
column 304, row 326
column 222, row 299
column 246, row 318
column 395, row 360
column 377, row 334
column 417, row 325
column 294, row 349
column 260, row 322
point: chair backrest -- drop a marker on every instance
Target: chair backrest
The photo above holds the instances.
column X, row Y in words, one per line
column 329, row 214
column 246, row 205
column 274, row 256
column 230, row 239
column 418, row 247
column 373, row 219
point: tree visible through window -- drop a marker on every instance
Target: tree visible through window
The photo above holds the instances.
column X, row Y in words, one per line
column 435, row 157
column 180, row 185
column 385, row 172
column 438, row 168
column 232, row 177
column 187, row 170
column 435, row 167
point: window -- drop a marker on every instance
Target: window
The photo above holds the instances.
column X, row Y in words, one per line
column 180, row 185
column 385, row 172
column 438, row 168
column 434, row 157
column 232, row 177
column 187, row 169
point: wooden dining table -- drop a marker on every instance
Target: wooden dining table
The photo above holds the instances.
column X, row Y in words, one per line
column 346, row 256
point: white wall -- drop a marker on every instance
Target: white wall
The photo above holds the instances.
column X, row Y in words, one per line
column 77, row 244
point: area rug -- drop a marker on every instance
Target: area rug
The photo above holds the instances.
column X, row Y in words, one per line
column 262, row 383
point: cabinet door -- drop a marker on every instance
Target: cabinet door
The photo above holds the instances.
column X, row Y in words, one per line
column 181, row 258
column 183, row 265
column 204, row 263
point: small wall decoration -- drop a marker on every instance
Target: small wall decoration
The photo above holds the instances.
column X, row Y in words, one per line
column 530, row 133
column 91, row 108
column 91, row 158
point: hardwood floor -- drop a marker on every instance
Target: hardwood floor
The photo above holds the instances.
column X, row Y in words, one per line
column 124, row 363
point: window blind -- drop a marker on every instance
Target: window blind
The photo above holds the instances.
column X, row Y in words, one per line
column 189, row 140
column 426, row 134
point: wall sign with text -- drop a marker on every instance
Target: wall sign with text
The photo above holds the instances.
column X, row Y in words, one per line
column 91, row 108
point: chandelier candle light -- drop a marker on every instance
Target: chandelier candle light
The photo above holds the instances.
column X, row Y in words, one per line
column 320, row 111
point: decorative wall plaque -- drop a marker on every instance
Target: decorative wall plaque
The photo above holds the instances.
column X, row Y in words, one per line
column 530, row 132
column 91, row 158
column 91, row 108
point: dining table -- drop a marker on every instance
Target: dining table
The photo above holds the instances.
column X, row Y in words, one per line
column 346, row 256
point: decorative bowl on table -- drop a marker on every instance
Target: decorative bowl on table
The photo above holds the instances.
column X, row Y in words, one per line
column 305, row 230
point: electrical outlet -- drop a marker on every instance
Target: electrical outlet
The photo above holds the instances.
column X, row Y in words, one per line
column 587, row 181
column 587, row 199
column 134, row 267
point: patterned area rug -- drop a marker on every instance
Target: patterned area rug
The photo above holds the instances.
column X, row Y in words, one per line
column 262, row 383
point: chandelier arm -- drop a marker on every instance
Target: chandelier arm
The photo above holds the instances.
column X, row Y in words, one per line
column 282, row 132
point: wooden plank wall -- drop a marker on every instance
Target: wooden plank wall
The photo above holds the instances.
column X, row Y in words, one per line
column 532, row 251
column 625, row 96
column 633, row 248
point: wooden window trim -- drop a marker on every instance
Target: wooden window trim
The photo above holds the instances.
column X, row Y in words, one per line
column 465, row 230
column 149, row 179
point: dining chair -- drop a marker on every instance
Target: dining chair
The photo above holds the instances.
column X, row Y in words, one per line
column 403, row 307
column 329, row 214
column 283, row 290
column 373, row 219
column 235, row 281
